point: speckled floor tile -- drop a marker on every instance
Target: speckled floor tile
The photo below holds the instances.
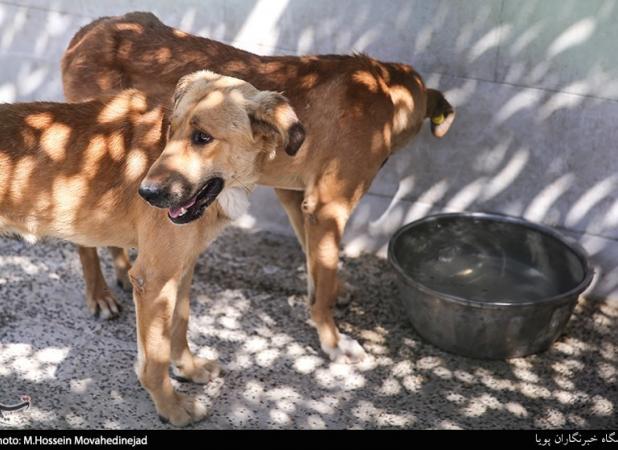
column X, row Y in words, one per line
column 248, row 309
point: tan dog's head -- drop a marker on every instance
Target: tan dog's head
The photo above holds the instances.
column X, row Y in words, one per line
column 222, row 131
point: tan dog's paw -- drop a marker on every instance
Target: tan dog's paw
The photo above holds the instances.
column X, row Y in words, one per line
column 201, row 371
column 347, row 350
column 182, row 411
column 103, row 304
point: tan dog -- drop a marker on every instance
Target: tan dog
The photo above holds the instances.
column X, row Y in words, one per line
column 73, row 171
column 357, row 111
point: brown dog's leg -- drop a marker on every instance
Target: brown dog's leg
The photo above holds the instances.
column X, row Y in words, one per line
column 291, row 202
column 325, row 220
column 155, row 292
column 122, row 265
column 99, row 299
column 185, row 365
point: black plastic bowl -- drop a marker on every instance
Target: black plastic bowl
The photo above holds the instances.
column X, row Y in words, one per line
column 485, row 285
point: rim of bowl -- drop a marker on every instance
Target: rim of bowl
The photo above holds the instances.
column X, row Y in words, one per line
column 575, row 247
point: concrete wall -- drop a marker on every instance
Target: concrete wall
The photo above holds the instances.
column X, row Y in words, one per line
column 535, row 83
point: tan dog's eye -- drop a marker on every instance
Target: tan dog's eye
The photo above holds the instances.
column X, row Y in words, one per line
column 201, row 138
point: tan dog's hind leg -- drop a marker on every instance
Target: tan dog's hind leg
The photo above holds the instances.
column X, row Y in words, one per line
column 185, row 365
column 155, row 293
column 324, row 224
column 122, row 265
column 291, row 202
column 99, row 299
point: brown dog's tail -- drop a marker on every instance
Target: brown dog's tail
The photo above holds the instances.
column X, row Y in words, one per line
column 440, row 112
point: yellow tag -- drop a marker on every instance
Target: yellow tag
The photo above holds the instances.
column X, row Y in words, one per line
column 437, row 120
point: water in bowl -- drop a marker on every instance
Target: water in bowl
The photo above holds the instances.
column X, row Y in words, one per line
column 484, row 278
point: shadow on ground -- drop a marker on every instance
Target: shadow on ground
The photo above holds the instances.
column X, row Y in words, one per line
column 248, row 309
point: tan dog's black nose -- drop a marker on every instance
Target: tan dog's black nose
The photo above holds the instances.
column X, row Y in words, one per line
column 154, row 194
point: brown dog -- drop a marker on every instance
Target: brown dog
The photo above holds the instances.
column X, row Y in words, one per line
column 73, row 171
column 357, row 111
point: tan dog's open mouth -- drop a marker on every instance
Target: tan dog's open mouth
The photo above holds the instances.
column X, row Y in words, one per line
column 195, row 206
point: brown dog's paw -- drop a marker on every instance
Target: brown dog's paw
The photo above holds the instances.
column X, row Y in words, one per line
column 346, row 294
column 182, row 411
column 123, row 281
column 103, row 304
column 201, row 371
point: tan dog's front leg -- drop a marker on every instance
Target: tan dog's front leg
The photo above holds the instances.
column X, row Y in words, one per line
column 324, row 227
column 155, row 295
column 185, row 365
column 99, row 299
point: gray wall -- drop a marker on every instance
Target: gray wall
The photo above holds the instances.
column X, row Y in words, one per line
column 535, row 83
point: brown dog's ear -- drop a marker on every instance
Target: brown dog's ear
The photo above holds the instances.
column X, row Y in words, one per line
column 274, row 120
column 440, row 112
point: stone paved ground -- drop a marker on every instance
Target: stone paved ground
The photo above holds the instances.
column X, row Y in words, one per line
column 248, row 310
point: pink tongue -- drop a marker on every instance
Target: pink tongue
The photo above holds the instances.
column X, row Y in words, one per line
column 175, row 212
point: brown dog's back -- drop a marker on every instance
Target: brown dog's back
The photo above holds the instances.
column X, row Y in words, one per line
column 137, row 50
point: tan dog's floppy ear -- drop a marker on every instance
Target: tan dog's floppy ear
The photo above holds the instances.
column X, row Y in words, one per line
column 274, row 120
column 440, row 112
